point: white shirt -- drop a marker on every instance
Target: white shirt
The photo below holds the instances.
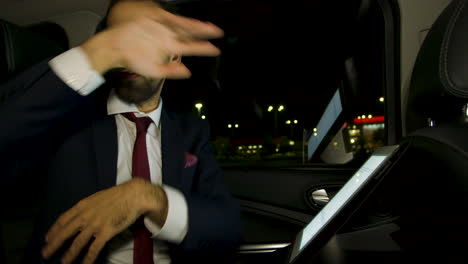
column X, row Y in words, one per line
column 75, row 70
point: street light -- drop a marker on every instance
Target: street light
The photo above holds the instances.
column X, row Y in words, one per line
column 275, row 116
column 232, row 127
column 203, row 117
column 199, row 107
column 292, row 123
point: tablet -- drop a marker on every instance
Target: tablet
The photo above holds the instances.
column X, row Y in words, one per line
column 330, row 122
column 338, row 210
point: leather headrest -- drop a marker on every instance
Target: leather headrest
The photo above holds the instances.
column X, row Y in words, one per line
column 439, row 84
column 453, row 64
column 21, row 48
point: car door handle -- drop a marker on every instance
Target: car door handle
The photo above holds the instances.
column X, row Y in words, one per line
column 320, row 197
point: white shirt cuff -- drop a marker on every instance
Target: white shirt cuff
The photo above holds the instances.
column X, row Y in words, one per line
column 74, row 68
column 176, row 226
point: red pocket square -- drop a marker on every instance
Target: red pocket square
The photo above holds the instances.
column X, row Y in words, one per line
column 190, row 160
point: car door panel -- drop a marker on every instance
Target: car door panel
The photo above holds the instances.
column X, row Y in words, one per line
column 276, row 204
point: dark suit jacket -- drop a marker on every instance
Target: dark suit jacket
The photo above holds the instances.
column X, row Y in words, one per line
column 45, row 118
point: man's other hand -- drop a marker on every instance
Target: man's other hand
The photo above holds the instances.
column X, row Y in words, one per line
column 102, row 216
column 143, row 37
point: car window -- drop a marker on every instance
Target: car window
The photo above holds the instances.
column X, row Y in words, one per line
column 280, row 67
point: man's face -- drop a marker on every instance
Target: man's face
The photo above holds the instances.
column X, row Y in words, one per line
column 131, row 87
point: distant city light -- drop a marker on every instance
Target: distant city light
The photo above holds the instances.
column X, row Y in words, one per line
column 240, row 147
column 288, row 122
column 369, row 116
column 229, row 126
column 373, row 119
column 335, row 144
column 381, row 99
column 236, row 125
column 260, row 146
column 315, row 129
column 354, row 132
column 250, row 146
column 315, row 134
column 280, row 108
column 291, row 143
column 270, row 108
column 295, row 121
column 203, row 117
column 277, row 149
column 199, row 106
column 374, row 126
column 254, row 146
column 352, row 141
column 363, row 116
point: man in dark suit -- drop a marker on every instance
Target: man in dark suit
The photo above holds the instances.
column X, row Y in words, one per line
column 128, row 180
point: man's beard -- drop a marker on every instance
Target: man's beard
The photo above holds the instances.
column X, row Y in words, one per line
column 134, row 90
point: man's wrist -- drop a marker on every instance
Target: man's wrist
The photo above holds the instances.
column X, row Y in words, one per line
column 100, row 54
column 154, row 202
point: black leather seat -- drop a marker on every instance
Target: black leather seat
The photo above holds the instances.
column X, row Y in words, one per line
column 433, row 174
column 439, row 85
column 22, row 47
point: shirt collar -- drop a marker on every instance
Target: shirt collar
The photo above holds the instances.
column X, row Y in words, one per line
column 115, row 105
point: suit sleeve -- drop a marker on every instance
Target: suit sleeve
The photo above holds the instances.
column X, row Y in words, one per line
column 214, row 215
column 30, row 104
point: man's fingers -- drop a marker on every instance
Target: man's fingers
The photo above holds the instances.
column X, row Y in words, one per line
column 172, row 70
column 56, row 239
column 95, row 248
column 175, row 71
column 78, row 244
column 161, row 39
column 201, row 30
column 195, row 48
column 61, row 222
column 190, row 28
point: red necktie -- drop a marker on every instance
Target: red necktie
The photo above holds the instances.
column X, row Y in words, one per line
column 143, row 244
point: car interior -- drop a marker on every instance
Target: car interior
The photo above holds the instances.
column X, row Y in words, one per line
column 403, row 61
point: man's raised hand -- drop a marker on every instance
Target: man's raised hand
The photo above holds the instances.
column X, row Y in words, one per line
column 143, row 37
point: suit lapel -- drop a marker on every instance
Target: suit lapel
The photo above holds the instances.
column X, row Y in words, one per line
column 171, row 150
column 105, row 143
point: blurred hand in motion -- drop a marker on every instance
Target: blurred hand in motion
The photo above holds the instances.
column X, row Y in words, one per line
column 103, row 215
column 144, row 38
